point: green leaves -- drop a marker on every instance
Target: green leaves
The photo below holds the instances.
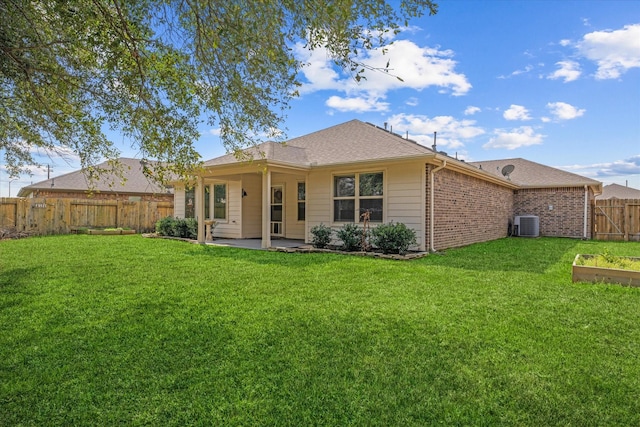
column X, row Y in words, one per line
column 154, row 70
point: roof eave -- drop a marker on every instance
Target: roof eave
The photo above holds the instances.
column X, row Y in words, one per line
column 471, row 170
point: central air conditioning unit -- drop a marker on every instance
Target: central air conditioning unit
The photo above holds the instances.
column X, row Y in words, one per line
column 527, row 226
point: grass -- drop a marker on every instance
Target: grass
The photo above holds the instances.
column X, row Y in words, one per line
column 606, row 260
column 99, row 330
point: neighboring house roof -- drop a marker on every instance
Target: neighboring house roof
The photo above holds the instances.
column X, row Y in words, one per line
column 133, row 181
column 366, row 142
column 535, row 175
column 616, row 191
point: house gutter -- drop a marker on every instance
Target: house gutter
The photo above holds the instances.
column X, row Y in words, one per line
column 431, row 208
column 586, row 206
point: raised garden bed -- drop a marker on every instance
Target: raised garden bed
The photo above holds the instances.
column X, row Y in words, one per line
column 599, row 274
column 102, row 231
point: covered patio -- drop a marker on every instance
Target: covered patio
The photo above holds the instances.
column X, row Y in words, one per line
column 257, row 243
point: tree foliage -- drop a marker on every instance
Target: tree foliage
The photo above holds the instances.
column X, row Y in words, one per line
column 150, row 70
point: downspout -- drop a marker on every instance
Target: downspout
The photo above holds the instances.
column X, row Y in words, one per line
column 431, row 208
column 586, row 205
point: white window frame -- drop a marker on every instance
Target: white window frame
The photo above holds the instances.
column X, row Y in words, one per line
column 298, row 201
column 212, row 200
column 356, row 197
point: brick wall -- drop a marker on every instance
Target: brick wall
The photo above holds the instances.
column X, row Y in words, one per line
column 467, row 209
column 103, row 196
column 565, row 218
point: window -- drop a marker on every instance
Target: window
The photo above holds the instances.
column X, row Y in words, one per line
column 189, row 203
column 371, row 196
column 207, row 201
column 220, row 201
column 302, row 204
column 357, row 193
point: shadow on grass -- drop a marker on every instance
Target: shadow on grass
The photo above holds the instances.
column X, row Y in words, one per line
column 509, row 254
column 535, row 255
column 261, row 256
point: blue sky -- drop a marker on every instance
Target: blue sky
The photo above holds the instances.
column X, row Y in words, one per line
column 555, row 82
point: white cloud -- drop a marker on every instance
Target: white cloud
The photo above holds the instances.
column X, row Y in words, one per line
column 525, row 70
column 412, row 102
column 356, row 104
column 568, row 70
column 418, row 67
column 630, row 166
column 215, row 132
column 523, row 136
column 452, row 133
column 565, row 42
column 615, row 52
column 516, row 112
column 564, row 111
column 471, row 110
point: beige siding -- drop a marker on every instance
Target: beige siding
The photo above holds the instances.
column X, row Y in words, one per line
column 252, row 206
column 231, row 228
column 178, row 201
column 293, row 229
column 403, row 195
column 318, row 199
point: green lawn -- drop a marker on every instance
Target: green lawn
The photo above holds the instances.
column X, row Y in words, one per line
column 105, row 330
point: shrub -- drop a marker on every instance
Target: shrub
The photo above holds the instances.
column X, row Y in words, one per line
column 164, row 226
column 352, row 237
column 321, row 235
column 393, row 238
column 192, row 228
column 177, row 227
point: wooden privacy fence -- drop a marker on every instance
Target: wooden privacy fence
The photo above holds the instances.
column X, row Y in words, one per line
column 616, row 219
column 43, row 216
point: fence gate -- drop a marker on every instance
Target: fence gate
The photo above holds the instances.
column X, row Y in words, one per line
column 617, row 219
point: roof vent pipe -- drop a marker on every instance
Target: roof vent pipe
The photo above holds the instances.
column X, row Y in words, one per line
column 385, row 125
column 434, row 147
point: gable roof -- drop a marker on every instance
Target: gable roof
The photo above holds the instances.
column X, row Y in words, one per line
column 367, row 142
column 356, row 141
column 535, row 175
column 616, row 191
column 134, row 181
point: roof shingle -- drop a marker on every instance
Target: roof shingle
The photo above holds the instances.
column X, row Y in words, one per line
column 366, row 142
column 531, row 174
column 134, row 181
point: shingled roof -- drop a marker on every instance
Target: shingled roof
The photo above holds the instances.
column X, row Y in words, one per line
column 366, row 142
column 531, row 174
column 135, row 182
column 617, row 191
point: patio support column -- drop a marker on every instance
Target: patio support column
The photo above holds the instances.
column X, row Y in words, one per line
column 266, row 209
column 200, row 208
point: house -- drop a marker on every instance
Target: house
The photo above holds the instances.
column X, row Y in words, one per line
column 562, row 200
column 334, row 175
column 616, row 191
column 134, row 185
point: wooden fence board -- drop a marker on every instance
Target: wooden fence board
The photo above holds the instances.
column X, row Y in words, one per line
column 43, row 216
column 8, row 212
column 616, row 219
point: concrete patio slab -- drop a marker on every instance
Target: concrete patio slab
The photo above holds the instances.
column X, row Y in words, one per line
column 257, row 243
